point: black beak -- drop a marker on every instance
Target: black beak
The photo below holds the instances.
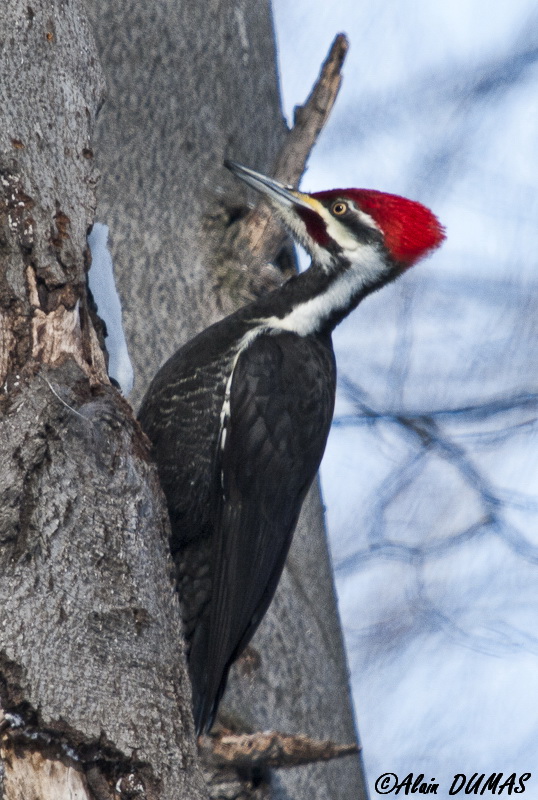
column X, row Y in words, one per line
column 272, row 190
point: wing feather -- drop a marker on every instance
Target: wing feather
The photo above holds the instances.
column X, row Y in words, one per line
column 280, row 410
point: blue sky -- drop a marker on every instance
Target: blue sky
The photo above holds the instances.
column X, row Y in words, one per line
column 431, row 473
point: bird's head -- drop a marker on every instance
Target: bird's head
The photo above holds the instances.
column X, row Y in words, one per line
column 383, row 233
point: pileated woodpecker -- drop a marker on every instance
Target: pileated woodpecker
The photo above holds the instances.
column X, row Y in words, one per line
column 239, row 416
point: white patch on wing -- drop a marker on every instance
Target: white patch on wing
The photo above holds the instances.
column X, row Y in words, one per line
column 308, row 317
column 246, row 340
column 224, row 418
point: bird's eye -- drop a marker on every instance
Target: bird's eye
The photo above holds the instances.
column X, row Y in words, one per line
column 339, row 208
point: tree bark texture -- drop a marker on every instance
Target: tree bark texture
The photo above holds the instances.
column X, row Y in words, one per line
column 190, row 83
column 94, row 697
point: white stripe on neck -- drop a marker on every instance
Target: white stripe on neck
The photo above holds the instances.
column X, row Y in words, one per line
column 308, row 317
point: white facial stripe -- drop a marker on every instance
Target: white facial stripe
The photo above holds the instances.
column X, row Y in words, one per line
column 335, row 229
column 309, row 317
column 366, row 219
column 338, row 232
column 298, row 228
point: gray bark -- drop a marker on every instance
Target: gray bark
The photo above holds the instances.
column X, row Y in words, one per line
column 190, row 83
column 86, row 601
column 187, row 82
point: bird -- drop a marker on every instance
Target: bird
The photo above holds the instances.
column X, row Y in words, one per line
column 239, row 416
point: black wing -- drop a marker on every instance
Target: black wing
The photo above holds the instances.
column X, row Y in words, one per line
column 274, row 434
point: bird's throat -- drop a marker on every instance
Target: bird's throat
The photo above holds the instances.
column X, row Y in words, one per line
column 321, row 307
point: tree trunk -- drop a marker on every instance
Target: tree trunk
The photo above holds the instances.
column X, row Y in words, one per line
column 190, row 83
column 94, row 697
column 93, row 690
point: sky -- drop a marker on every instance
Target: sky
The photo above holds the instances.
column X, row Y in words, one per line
column 431, row 473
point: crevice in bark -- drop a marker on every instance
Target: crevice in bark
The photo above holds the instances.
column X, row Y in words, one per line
column 94, row 697
column 110, row 773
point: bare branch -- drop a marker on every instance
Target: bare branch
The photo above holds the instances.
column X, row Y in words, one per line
column 271, row 749
column 260, row 234
column 310, row 119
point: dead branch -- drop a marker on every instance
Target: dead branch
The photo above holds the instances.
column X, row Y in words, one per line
column 270, row 749
column 259, row 232
column 310, row 119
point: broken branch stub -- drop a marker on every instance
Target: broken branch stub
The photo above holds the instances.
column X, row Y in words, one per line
column 269, row 749
column 260, row 236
